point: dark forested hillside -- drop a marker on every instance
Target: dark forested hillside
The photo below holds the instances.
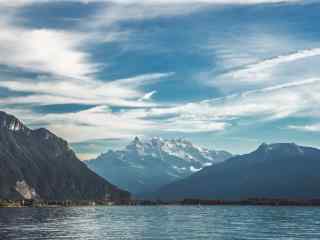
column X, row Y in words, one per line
column 38, row 164
column 283, row 170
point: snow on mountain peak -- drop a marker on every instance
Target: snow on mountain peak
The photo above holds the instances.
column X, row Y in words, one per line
column 10, row 122
column 157, row 147
column 154, row 162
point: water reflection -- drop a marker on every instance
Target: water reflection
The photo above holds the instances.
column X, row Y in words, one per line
column 172, row 222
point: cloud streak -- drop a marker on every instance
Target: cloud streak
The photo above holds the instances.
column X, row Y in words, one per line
column 123, row 92
column 272, row 103
column 271, row 71
column 19, row 3
column 299, row 99
column 250, row 72
column 243, row 2
column 306, row 128
column 148, row 96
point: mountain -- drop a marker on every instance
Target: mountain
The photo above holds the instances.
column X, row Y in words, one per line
column 283, row 170
column 146, row 165
column 38, row 164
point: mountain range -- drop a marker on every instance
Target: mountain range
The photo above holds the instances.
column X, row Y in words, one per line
column 38, row 164
column 147, row 165
column 282, row 170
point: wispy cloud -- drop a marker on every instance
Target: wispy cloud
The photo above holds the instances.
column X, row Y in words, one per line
column 277, row 70
column 277, row 102
column 251, row 73
column 148, row 96
column 246, row 2
column 96, row 123
column 44, row 50
column 17, row 3
column 306, row 128
column 117, row 11
column 284, row 86
column 46, row 90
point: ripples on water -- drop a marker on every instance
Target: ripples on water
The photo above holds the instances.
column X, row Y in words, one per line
column 171, row 222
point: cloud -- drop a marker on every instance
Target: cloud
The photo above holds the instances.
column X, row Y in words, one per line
column 306, row 128
column 298, row 99
column 148, row 96
column 277, row 70
column 67, row 70
column 62, row 53
column 19, row 3
column 251, row 72
column 277, row 102
column 15, row 3
column 96, row 123
column 144, row 79
column 284, row 86
column 117, row 11
column 194, row 126
column 122, row 92
column 65, row 74
column 48, row 51
column 245, row 2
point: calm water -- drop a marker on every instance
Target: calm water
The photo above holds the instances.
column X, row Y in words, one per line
column 216, row 222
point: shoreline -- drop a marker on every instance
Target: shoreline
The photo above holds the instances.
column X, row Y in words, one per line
column 185, row 202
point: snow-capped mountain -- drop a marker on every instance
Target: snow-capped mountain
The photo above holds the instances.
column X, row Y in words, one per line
column 147, row 165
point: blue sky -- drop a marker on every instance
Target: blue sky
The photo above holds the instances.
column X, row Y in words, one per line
column 226, row 74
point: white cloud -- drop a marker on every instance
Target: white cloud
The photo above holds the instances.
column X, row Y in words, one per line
column 95, row 123
column 45, row 50
column 144, row 79
column 116, row 13
column 68, row 77
column 255, row 72
column 284, row 86
column 69, row 68
column 277, row 102
column 14, row 3
column 272, row 71
column 134, row 10
column 245, row 2
column 148, row 96
column 194, row 126
column 193, row 169
column 19, row 3
column 300, row 99
column 123, row 92
column 306, row 128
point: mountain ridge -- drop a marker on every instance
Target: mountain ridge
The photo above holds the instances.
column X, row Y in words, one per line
column 148, row 164
column 280, row 170
column 39, row 164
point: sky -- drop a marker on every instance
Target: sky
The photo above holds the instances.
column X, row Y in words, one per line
column 225, row 74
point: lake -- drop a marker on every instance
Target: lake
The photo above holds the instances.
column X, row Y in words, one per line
column 161, row 222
